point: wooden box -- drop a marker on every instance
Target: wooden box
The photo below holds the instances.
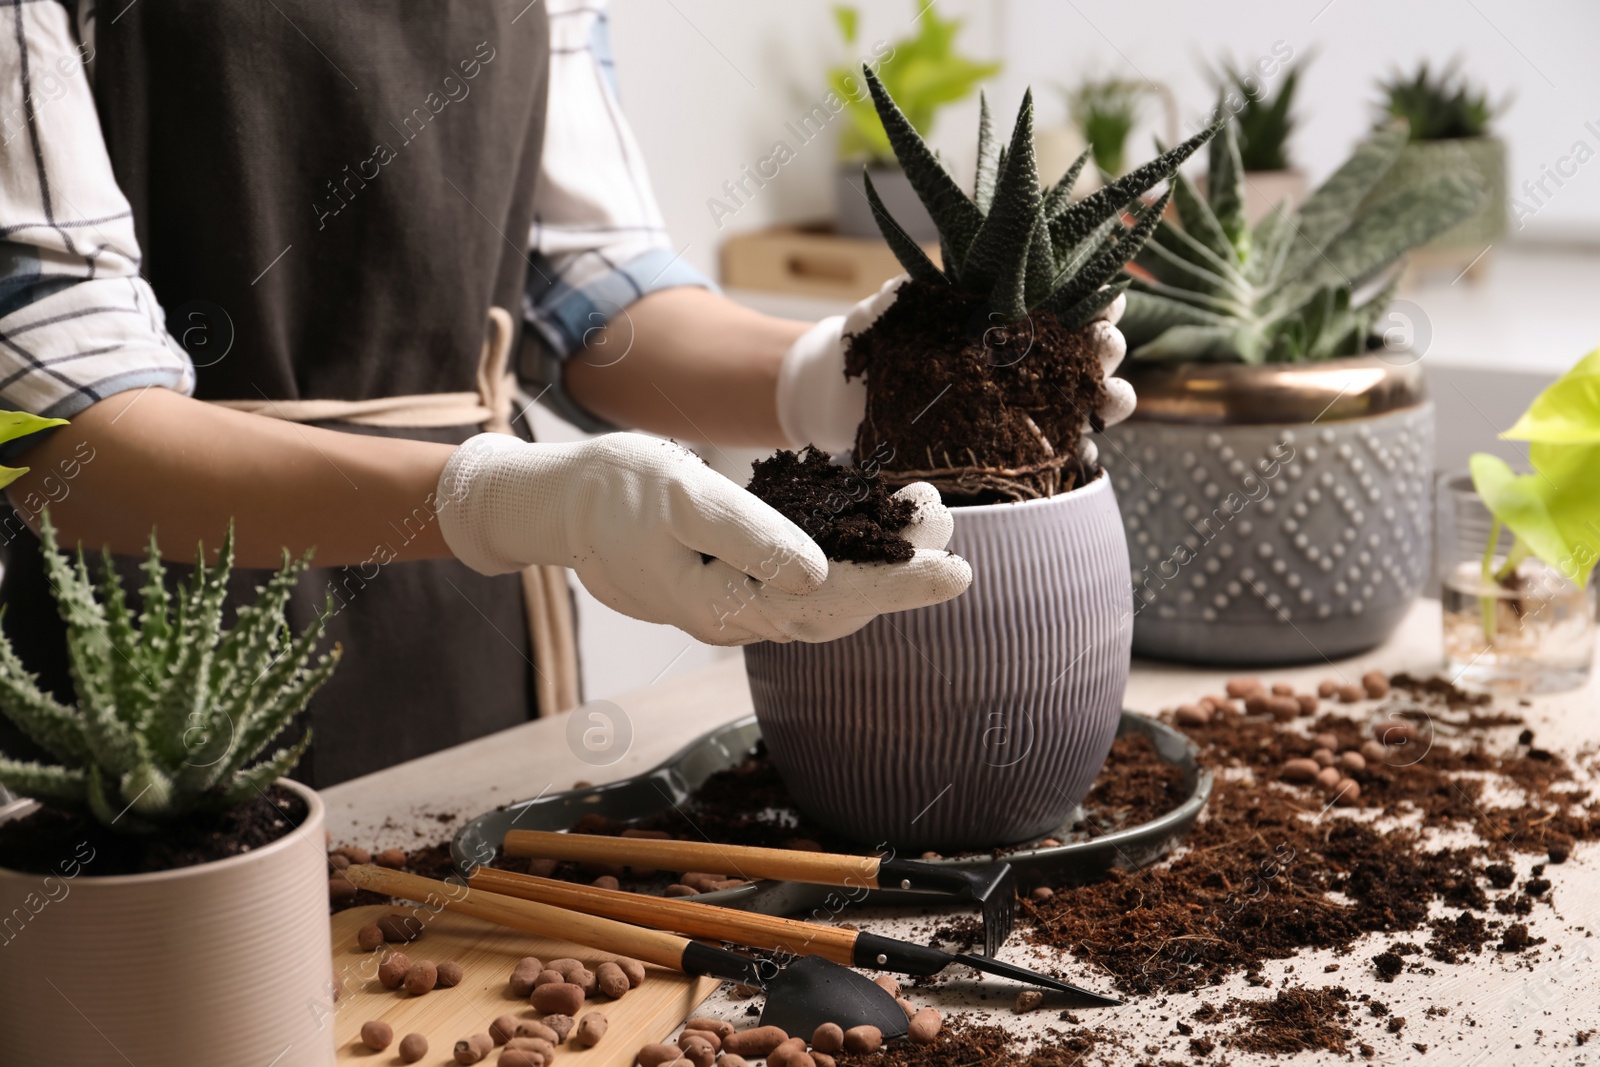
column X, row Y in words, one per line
column 809, row 261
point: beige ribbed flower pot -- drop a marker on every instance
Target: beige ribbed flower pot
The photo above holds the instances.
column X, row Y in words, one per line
column 224, row 963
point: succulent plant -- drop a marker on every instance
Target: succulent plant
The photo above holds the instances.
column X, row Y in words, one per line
column 1263, row 125
column 980, row 378
column 1439, row 107
column 171, row 707
column 1106, row 112
column 1022, row 247
column 1302, row 285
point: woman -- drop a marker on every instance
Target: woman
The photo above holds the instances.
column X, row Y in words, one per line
column 251, row 254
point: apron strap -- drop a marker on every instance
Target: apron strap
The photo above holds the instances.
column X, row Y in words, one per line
column 546, row 597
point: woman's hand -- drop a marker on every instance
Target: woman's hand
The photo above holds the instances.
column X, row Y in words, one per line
column 637, row 517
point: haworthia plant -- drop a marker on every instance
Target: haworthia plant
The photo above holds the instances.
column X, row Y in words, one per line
column 1020, row 247
column 171, row 707
column 1299, row 285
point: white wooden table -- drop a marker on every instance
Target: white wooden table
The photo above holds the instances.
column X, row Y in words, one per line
column 1519, row 1010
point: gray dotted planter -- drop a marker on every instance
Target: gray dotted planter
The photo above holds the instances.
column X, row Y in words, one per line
column 978, row 722
column 1299, row 533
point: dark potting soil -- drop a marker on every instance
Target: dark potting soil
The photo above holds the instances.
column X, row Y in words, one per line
column 849, row 512
column 42, row 842
column 1270, row 870
column 988, row 411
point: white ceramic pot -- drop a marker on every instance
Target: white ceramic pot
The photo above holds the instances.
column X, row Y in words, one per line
column 973, row 723
column 224, row 963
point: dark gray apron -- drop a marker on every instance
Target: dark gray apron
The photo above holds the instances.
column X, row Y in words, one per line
column 337, row 193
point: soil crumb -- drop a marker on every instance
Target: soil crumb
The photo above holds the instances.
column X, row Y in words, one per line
column 848, row 511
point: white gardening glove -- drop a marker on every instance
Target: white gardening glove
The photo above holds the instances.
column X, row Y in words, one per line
column 818, row 406
column 633, row 515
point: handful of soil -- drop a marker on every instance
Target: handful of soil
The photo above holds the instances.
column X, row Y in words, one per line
column 847, row 511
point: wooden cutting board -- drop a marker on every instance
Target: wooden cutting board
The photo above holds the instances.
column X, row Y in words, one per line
column 487, row 953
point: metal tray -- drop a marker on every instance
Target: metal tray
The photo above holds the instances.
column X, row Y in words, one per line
column 1078, row 858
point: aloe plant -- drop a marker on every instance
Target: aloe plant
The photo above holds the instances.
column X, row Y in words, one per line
column 1300, row 285
column 1021, row 246
column 171, row 706
column 924, row 73
column 1438, row 107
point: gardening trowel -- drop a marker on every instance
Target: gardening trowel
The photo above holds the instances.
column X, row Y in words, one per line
column 805, row 994
column 771, row 932
column 992, row 887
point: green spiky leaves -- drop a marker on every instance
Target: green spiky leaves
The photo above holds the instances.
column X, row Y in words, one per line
column 171, row 706
column 1299, row 285
column 1017, row 245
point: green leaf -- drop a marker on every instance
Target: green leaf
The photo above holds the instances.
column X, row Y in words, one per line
column 43, row 782
column 52, row 725
column 1119, row 250
column 1555, row 510
column 988, row 157
column 956, row 217
column 1078, row 316
column 996, row 259
column 15, row 424
column 846, row 18
column 1149, row 315
column 1199, row 221
column 1567, row 412
column 1197, row 344
column 248, row 783
column 1225, row 191
column 1387, row 230
column 1328, row 210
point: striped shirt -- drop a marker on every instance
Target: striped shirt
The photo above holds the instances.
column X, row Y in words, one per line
column 78, row 323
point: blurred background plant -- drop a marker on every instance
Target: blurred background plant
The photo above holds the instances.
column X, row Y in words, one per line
column 1105, row 111
column 1438, row 106
column 922, row 72
column 1263, row 122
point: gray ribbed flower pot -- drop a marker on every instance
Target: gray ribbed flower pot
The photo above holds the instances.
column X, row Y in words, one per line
column 977, row 722
column 1274, row 514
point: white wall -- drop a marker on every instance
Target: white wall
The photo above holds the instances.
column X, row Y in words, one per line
column 710, row 83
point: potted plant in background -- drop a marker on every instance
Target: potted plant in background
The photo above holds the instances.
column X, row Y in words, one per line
column 168, row 899
column 984, row 719
column 1449, row 121
column 924, row 73
column 1105, row 111
column 1263, row 124
column 1275, row 476
column 1516, row 551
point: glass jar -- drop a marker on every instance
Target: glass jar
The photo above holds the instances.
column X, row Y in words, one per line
column 1528, row 628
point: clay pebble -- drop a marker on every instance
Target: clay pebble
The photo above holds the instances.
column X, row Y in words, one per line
column 392, row 971
column 829, row 1037
column 755, row 1042
column 474, row 1048
column 591, row 1028
column 863, row 1038
column 924, row 1026
column 376, row 1034
column 523, row 974
column 412, row 1048
column 558, row 998
column 421, row 977
column 369, row 937
column 400, row 927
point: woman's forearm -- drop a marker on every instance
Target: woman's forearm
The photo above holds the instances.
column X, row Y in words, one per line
column 689, row 364
column 159, row 460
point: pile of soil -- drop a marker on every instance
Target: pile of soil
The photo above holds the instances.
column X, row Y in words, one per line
column 849, row 512
column 987, row 411
column 42, row 842
column 1271, row 869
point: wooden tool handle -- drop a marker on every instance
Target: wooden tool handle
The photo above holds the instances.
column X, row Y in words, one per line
column 591, row 931
column 684, row 917
column 815, row 868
